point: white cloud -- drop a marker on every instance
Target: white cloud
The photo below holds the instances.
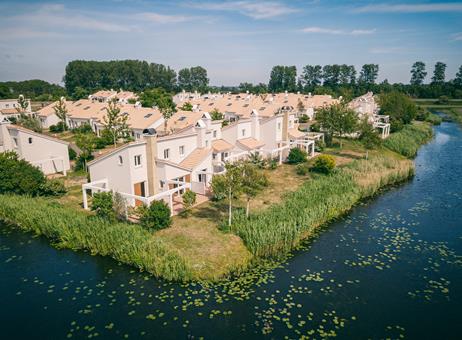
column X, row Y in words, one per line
column 457, row 36
column 163, row 18
column 322, row 30
column 410, row 8
column 254, row 9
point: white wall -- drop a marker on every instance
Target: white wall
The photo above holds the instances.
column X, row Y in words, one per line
column 49, row 120
column 271, row 132
column 189, row 142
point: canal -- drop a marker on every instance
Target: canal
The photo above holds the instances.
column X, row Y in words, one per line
column 392, row 268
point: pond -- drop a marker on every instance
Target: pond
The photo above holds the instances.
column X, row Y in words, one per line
column 392, row 268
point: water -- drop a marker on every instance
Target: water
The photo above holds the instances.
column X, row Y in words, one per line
column 392, row 268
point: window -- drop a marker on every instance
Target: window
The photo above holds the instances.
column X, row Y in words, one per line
column 214, row 133
column 206, row 143
column 138, row 160
column 121, row 160
column 15, row 142
column 243, row 132
column 30, row 140
column 279, row 126
column 181, row 150
column 214, row 156
column 166, row 153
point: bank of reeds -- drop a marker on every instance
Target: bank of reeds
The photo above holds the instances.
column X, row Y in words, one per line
column 407, row 141
column 318, row 201
column 67, row 228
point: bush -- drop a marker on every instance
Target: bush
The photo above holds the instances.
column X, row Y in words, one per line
column 218, row 191
column 189, row 199
column 57, row 128
column 156, row 216
column 103, row 205
column 273, row 164
column 19, row 176
column 296, row 156
column 84, row 128
column 302, row 169
column 315, row 127
column 72, row 154
column 303, row 119
column 433, row 119
column 53, row 187
column 324, row 164
column 443, row 100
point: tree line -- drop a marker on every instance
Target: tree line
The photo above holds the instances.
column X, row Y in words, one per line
column 34, row 89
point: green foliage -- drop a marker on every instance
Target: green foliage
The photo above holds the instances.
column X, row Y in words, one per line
column 252, row 181
column 368, row 136
column 115, row 123
column 34, row 89
column 256, row 159
column 84, row 128
column 323, row 164
column 443, row 100
column 19, row 176
column 68, row 228
column 218, row 186
column 156, row 216
column 401, row 109
column 418, row 73
column 296, row 156
column 156, row 97
column 302, row 169
column 30, row 122
column 407, row 141
column 58, row 128
column 283, row 78
column 61, row 111
column 303, row 118
column 102, row 204
column 187, row 107
column 315, row 127
column 338, row 120
column 53, row 187
column 439, row 73
column 189, row 199
column 216, row 115
column 72, row 154
column 193, row 79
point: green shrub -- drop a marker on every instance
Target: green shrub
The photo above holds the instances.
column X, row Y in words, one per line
column 273, row 164
column 324, row 164
column 296, row 156
column 156, row 216
column 302, row 169
column 72, row 154
column 53, row 187
column 57, row 128
column 433, row 119
column 84, row 128
column 443, row 100
column 103, row 205
column 315, row 127
column 407, row 141
column 67, row 228
column 18, row 176
column 303, row 119
column 189, row 199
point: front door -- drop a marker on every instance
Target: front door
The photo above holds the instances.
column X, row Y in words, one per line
column 139, row 191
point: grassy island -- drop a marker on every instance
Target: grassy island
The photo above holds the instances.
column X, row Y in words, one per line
column 198, row 247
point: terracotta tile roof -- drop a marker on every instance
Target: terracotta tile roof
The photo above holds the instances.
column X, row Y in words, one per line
column 140, row 117
column 49, row 109
column 195, row 158
column 250, row 143
column 104, row 93
column 295, row 133
column 181, row 120
column 125, row 95
column 221, row 145
column 9, row 111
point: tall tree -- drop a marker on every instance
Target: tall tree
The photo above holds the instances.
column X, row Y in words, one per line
column 401, row 109
column 439, row 73
column 283, row 78
column 61, row 111
column 458, row 79
column 253, row 181
column 337, row 120
column 311, row 76
column 114, row 122
column 418, row 73
column 369, row 74
column 23, row 105
column 331, row 75
column 199, row 79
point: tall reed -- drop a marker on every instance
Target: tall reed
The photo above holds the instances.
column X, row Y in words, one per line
column 407, row 141
column 67, row 228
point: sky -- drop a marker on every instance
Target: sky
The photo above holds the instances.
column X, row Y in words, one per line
column 235, row 40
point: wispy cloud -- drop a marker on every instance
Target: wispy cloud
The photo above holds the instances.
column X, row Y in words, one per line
column 410, row 8
column 457, row 36
column 254, row 9
column 164, row 18
column 322, row 30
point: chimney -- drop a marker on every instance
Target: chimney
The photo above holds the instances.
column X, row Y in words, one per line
column 201, row 129
column 255, row 124
column 5, row 140
column 285, row 126
column 151, row 154
column 207, row 120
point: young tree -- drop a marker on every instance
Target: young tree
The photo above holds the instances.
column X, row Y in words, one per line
column 253, row 181
column 114, row 122
column 228, row 185
column 418, row 73
column 61, row 111
column 189, row 199
column 439, row 73
column 23, row 105
column 87, row 143
column 337, row 120
column 102, row 204
column 216, row 115
column 187, row 107
column 368, row 136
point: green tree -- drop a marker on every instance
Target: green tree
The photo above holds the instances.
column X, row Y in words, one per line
column 80, row 93
column 187, row 107
column 311, row 77
column 253, row 181
column 368, row 136
column 401, row 109
column 458, row 79
column 199, row 79
column 338, row 120
column 61, row 111
column 216, row 115
column 155, row 217
column 369, row 74
column 189, row 199
column 283, row 78
column 115, row 122
column 102, row 204
column 439, row 73
column 87, row 143
column 23, row 105
column 418, row 73
column 184, row 79
column 228, row 185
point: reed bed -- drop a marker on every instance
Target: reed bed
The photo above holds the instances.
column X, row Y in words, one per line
column 281, row 227
column 67, row 228
column 407, row 141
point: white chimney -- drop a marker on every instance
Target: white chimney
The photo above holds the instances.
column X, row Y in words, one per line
column 201, row 130
column 255, row 124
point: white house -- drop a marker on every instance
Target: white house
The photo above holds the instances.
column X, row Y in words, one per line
column 11, row 108
column 47, row 115
column 51, row 155
column 367, row 106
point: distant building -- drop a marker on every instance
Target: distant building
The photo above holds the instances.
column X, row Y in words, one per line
column 10, row 108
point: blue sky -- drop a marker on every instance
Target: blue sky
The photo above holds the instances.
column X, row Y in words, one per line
column 237, row 40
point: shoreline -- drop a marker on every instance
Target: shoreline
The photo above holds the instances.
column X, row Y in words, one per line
column 132, row 245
